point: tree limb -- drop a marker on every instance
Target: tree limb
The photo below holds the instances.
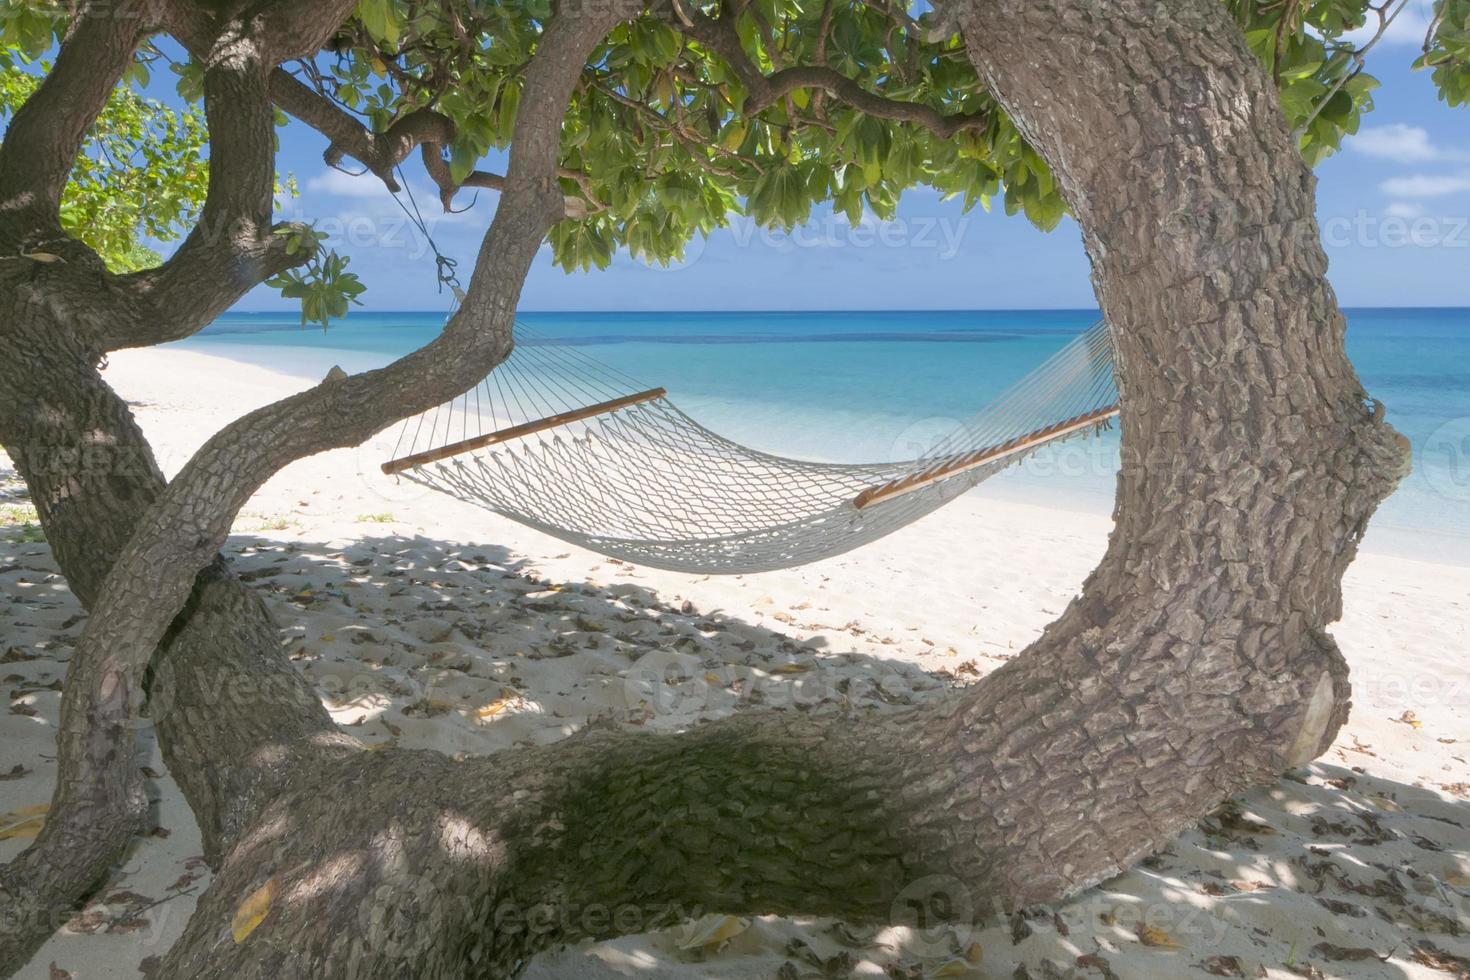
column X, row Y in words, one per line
column 283, row 30
column 719, row 35
column 425, row 129
column 46, row 134
column 234, row 244
column 98, row 802
column 438, row 170
column 379, row 152
column 235, row 241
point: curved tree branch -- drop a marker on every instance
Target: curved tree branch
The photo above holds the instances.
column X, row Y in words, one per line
column 234, row 243
column 438, row 170
column 424, row 129
column 98, row 800
column 43, row 139
column 379, row 152
column 839, row 86
column 719, row 35
column 282, row 30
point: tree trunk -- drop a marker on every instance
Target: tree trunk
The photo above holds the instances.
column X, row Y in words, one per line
column 91, row 474
column 1195, row 664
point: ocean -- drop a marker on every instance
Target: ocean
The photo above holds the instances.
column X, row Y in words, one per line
column 878, row 386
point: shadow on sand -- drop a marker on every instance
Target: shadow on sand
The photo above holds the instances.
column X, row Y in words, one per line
column 424, row 644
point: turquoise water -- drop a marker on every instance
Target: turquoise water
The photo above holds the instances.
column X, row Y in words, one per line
column 862, row 386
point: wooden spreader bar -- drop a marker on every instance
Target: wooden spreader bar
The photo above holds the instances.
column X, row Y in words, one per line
column 517, row 431
column 969, row 461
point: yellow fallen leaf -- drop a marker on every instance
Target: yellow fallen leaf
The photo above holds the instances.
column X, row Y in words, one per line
column 1411, row 719
column 974, row 953
column 952, row 968
column 1150, row 936
column 791, row 669
column 253, row 910
column 24, row 823
column 507, row 699
column 41, row 257
column 713, row 930
column 712, row 678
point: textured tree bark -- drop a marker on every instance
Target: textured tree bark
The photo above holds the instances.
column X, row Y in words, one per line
column 1194, row 665
column 153, row 556
column 90, row 472
column 1251, row 459
column 91, row 475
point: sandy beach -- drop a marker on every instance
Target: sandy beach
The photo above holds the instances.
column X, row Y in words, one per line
column 430, row 623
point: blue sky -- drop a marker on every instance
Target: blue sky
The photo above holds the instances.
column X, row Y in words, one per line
column 1394, row 206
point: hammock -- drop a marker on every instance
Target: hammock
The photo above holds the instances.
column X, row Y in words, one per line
column 560, row 442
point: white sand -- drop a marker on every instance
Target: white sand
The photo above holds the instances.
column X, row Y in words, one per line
column 434, row 624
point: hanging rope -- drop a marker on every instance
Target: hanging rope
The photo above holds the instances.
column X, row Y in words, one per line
column 444, row 266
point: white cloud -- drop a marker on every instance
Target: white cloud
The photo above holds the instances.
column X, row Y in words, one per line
column 1406, row 144
column 368, row 200
column 346, row 185
column 1408, row 28
column 1425, row 185
column 1403, row 209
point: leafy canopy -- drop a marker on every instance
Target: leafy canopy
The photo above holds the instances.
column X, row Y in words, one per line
column 666, row 138
column 141, row 174
column 664, row 144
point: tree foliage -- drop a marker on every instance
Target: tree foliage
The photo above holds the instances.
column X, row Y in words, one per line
column 141, row 176
column 323, row 284
column 691, row 115
column 1447, row 51
column 665, row 142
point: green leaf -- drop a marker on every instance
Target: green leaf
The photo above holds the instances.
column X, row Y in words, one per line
column 380, row 19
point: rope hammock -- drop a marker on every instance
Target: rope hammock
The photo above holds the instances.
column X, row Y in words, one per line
column 560, row 442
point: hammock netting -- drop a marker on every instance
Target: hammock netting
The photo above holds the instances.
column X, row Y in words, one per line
column 563, row 443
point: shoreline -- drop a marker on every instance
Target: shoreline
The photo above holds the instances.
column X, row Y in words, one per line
column 428, row 623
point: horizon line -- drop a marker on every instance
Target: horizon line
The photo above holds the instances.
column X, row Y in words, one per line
column 995, row 309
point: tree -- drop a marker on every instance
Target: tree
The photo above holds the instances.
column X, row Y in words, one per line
column 1194, row 664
